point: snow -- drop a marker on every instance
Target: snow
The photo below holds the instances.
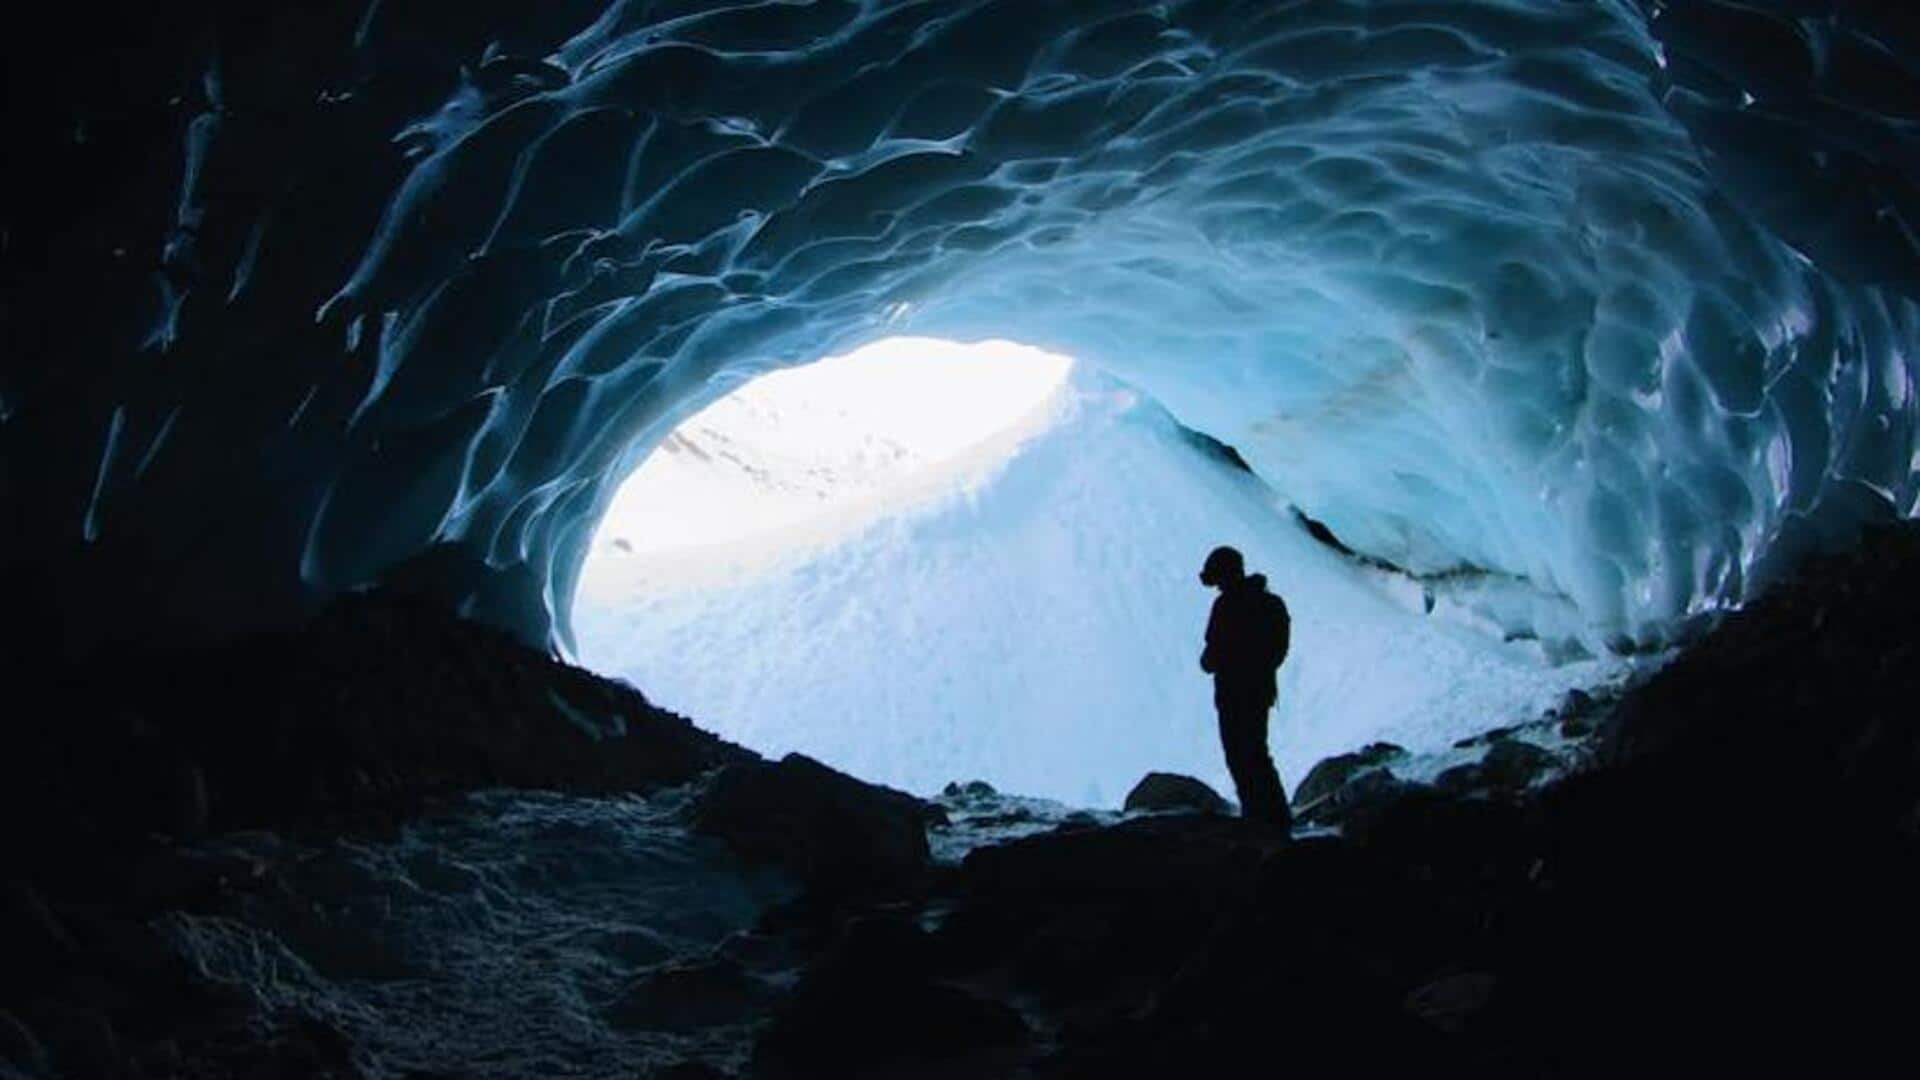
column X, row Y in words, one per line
column 1025, row 610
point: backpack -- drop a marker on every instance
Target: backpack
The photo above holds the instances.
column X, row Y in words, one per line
column 1278, row 627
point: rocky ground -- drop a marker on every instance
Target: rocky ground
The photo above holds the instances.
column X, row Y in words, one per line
column 381, row 709
column 1717, row 870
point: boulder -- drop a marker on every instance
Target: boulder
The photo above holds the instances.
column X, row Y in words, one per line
column 972, row 789
column 1327, row 776
column 32, row 938
column 688, row 1070
column 1172, row 791
column 20, row 1050
column 1461, row 779
column 872, row 1004
column 81, row 1039
column 165, row 875
column 1369, row 792
column 839, row 1025
column 1580, row 715
column 685, row 997
column 1513, row 765
column 833, row 832
column 1450, row 1003
column 1486, row 738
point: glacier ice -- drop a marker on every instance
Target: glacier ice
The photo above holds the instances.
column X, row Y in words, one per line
column 1020, row 609
column 1608, row 303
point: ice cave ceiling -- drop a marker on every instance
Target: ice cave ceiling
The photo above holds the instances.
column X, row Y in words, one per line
column 1613, row 298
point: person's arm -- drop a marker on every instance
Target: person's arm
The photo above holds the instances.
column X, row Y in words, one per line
column 1284, row 618
column 1209, row 657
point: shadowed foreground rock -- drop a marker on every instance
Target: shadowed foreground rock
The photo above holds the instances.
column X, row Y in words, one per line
column 1732, row 889
column 831, row 831
column 379, row 708
column 1326, row 777
column 874, row 1004
column 1171, row 791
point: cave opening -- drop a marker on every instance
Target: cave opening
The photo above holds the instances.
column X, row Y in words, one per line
column 1517, row 341
column 927, row 561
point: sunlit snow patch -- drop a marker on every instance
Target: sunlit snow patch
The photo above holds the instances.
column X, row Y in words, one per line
column 802, row 457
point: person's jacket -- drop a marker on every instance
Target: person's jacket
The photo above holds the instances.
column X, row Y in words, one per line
column 1247, row 638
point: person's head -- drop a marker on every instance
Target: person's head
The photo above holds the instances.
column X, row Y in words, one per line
column 1223, row 567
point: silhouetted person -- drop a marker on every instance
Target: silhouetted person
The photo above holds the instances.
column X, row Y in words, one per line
column 1247, row 638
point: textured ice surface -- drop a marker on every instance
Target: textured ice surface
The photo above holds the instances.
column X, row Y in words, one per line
column 1029, row 616
column 1606, row 298
column 500, row 938
column 524, row 934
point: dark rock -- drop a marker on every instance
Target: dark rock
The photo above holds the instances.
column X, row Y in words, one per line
column 20, row 1050
column 136, row 956
column 1366, row 794
column 684, row 997
column 834, row 1026
column 1328, row 775
column 1098, row 916
column 1140, row 858
column 161, row 1057
column 756, row 949
column 831, row 831
column 1171, row 791
column 1461, row 779
column 32, row 938
column 382, row 703
column 1486, row 738
column 187, row 809
column 972, row 789
column 1514, row 765
column 876, row 944
column 81, row 1040
column 305, row 1047
column 1337, row 988
column 1577, row 727
column 167, row 876
column 687, row 1070
column 1450, row 1003
column 872, row 1000
column 1510, row 766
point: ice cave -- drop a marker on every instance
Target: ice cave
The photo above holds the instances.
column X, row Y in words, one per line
column 709, row 492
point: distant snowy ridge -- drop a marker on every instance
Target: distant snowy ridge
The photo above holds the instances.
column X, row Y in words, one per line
column 804, row 458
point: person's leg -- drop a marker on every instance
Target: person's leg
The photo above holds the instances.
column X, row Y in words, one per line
column 1243, row 735
column 1274, row 794
column 1233, row 743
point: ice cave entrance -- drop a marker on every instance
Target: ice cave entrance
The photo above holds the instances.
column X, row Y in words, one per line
column 927, row 561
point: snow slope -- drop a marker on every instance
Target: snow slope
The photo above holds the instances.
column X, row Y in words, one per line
column 1030, row 616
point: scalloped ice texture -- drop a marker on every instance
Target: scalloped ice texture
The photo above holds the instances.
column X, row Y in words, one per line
column 1449, row 275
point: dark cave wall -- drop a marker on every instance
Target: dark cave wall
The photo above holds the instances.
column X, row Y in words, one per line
column 190, row 183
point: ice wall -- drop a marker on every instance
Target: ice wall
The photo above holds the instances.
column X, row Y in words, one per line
column 1608, row 301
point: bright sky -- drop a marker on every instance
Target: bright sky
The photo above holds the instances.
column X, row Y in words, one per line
column 805, row 453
